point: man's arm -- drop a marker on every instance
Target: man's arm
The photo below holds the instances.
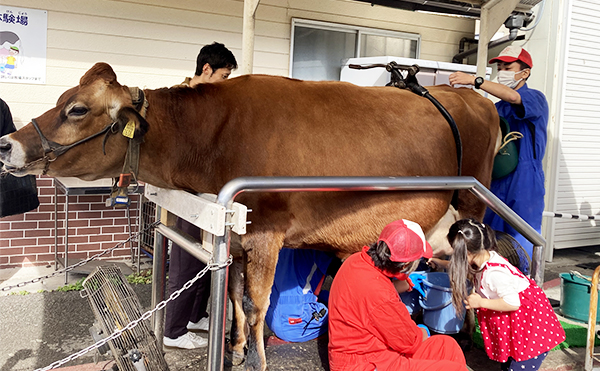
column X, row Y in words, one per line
column 497, row 90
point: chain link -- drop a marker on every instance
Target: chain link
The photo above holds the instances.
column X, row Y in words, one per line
column 71, row 267
column 145, row 316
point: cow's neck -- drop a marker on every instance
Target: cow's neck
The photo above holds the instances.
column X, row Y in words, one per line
column 178, row 145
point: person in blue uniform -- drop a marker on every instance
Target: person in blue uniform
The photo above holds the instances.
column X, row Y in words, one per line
column 297, row 310
column 526, row 110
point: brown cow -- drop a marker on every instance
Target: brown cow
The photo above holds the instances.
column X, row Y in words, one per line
column 200, row 138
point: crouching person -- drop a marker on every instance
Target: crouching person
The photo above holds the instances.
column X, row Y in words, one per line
column 369, row 327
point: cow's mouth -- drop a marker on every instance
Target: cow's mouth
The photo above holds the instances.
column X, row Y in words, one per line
column 13, row 170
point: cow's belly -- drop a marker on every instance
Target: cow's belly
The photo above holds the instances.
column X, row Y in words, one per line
column 346, row 227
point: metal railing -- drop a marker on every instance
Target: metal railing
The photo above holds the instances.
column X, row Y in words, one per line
column 322, row 184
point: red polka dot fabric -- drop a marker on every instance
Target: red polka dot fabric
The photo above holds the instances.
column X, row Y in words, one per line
column 522, row 334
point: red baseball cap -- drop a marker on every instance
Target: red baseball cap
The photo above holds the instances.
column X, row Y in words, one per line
column 406, row 241
column 513, row 53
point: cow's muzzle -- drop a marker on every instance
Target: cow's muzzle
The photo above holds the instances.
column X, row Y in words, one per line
column 53, row 150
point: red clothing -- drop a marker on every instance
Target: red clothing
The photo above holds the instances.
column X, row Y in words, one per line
column 524, row 333
column 370, row 328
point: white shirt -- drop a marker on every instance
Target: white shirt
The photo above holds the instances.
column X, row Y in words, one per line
column 501, row 282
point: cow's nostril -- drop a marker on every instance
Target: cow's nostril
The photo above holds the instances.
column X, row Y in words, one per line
column 5, row 146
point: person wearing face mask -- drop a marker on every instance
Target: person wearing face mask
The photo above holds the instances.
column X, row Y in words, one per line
column 526, row 110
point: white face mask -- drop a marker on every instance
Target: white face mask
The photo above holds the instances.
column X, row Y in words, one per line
column 508, row 78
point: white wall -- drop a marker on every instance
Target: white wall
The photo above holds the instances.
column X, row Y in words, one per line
column 154, row 43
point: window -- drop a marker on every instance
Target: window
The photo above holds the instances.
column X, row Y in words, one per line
column 319, row 49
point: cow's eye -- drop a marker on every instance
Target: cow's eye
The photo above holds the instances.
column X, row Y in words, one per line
column 78, row 111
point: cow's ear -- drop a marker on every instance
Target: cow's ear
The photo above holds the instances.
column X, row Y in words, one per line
column 131, row 123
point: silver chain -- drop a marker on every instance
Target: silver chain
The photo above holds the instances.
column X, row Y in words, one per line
column 145, row 316
column 71, row 267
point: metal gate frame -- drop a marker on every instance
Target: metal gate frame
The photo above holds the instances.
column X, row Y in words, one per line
column 219, row 232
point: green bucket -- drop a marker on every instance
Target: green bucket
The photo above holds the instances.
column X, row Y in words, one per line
column 575, row 297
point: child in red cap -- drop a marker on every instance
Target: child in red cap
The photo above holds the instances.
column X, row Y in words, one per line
column 369, row 327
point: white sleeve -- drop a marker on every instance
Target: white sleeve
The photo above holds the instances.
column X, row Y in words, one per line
column 505, row 285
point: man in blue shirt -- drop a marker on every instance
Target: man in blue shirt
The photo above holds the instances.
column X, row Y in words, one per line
column 526, row 110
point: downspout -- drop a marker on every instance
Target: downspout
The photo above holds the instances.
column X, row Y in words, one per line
column 458, row 58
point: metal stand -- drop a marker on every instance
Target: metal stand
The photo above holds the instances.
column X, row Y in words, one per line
column 76, row 187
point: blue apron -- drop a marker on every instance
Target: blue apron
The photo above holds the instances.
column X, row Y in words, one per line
column 523, row 189
column 294, row 314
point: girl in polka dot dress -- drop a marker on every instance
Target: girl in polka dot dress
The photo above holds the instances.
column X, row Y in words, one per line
column 516, row 319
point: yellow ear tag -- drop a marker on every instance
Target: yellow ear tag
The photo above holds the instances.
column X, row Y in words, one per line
column 129, row 129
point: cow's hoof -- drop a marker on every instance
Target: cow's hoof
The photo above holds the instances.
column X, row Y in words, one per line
column 233, row 358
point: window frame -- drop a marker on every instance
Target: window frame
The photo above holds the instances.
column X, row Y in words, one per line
column 357, row 30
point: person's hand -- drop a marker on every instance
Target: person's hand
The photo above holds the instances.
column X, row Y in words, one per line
column 417, row 281
column 401, row 286
column 436, row 263
column 474, row 301
column 461, row 78
column 426, row 332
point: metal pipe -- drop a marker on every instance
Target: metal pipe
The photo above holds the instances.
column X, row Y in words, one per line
column 185, row 242
column 66, row 261
column 140, row 224
column 464, row 54
column 159, row 278
column 55, row 226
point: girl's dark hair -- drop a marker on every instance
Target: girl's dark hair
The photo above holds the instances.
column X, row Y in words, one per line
column 466, row 235
column 380, row 254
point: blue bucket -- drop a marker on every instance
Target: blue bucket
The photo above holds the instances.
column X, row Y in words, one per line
column 438, row 312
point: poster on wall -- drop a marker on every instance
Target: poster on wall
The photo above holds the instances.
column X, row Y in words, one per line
column 23, row 45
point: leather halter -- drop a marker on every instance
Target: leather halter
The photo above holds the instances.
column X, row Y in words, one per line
column 52, row 149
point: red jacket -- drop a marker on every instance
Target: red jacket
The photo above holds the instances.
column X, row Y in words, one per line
column 369, row 327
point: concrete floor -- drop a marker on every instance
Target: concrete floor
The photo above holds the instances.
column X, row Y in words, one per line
column 43, row 327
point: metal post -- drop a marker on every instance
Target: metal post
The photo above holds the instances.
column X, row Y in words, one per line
column 66, row 261
column 55, row 226
column 219, row 282
column 131, row 252
column 140, row 225
column 591, row 335
column 159, row 278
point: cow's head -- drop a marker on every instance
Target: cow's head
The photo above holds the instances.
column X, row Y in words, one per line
column 81, row 136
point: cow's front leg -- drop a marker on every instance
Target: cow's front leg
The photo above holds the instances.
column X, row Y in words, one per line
column 262, row 251
column 239, row 330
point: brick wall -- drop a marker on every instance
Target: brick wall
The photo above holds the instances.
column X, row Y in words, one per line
column 28, row 239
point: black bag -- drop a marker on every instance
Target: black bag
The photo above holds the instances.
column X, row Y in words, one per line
column 17, row 194
column 507, row 158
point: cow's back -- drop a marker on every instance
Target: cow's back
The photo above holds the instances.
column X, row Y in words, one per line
column 331, row 128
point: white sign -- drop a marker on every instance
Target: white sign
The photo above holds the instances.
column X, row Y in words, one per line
column 23, row 45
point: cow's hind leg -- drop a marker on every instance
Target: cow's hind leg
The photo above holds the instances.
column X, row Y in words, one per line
column 262, row 251
column 238, row 331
